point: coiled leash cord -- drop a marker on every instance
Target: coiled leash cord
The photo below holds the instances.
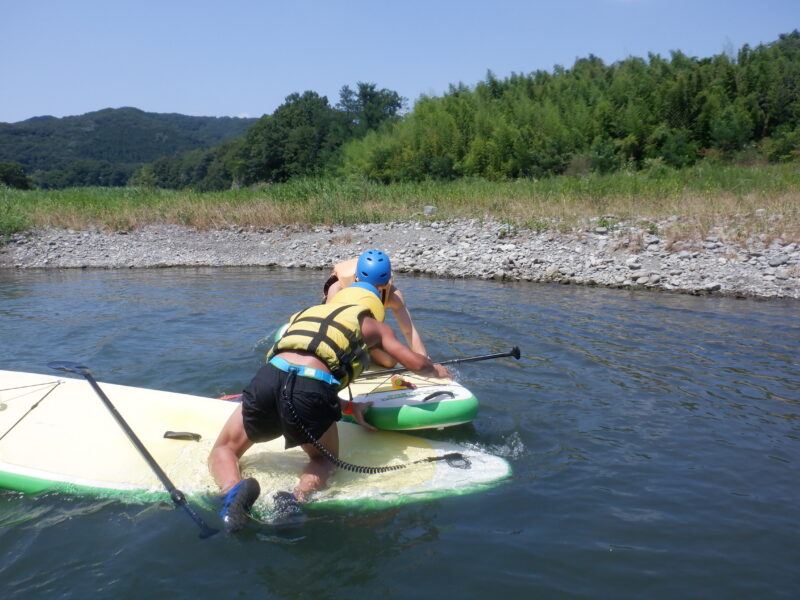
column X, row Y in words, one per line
column 453, row 459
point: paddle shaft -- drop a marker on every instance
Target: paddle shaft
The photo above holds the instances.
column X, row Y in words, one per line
column 513, row 352
column 175, row 494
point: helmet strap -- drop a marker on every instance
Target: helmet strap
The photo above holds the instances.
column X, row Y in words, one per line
column 386, row 291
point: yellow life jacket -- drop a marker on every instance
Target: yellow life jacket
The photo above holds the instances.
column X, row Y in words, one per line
column 332, row 332
column 354, row 294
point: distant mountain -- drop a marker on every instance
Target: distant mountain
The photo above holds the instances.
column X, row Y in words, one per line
column 113, row 136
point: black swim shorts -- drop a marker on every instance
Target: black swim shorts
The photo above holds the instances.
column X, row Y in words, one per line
column 266, row 415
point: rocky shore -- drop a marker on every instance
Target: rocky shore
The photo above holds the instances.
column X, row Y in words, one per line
column 624, row 255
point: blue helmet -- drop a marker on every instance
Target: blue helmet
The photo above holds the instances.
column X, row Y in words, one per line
column 374, row 267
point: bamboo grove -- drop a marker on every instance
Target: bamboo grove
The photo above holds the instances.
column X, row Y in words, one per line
column 597, row 117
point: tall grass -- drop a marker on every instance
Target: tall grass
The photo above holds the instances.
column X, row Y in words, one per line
column 701, row 196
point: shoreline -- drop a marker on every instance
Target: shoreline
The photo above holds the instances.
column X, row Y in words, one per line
column 626, row 256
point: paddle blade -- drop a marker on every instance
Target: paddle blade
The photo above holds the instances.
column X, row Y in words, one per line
column 68, row 366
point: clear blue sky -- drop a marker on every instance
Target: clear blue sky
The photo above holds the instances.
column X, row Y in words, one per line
column 243, row 57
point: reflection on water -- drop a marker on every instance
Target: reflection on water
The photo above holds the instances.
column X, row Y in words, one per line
column 654, row 440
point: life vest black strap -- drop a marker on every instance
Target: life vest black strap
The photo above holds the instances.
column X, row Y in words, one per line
column 344, row 357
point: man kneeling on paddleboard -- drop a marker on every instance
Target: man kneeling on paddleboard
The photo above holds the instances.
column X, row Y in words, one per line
column 296, row 395
column 374, row 266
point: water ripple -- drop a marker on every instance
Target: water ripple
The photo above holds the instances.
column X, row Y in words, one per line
column 654, row 440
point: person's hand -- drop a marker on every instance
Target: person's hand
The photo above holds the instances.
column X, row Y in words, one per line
column 359, row 408
column 441, row 371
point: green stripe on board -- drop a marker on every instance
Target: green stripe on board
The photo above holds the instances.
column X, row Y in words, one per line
column 419, row 416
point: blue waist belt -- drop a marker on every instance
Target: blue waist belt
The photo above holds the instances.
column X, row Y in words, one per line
column 310, row 372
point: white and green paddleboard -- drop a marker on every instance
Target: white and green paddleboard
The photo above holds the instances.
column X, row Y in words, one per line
column 406, row 401
column 57, row 435
column 409, row 401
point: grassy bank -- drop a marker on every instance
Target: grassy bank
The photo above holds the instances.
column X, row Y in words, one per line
column 743, row 200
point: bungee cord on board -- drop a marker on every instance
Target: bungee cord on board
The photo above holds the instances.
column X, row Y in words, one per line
column 455, row 460
column 3, row 405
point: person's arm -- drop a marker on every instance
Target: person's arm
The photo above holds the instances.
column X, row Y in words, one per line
column 335, row 288
column 357, row 409
column 381, row 335
column 404, row 322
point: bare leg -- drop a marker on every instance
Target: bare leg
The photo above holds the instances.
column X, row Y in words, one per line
column 231, row 444
column 316, row 472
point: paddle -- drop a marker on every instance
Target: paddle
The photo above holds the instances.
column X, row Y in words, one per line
column 513, row 352
column 175, row 494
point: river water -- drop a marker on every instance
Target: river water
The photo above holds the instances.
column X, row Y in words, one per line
column 654, row 438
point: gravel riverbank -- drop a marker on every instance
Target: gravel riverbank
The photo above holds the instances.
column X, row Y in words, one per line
column 623, row 256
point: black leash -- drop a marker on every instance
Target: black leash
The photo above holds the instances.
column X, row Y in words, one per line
column 455, row 460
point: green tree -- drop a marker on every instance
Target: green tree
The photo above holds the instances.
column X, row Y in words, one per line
column 297, row 139
column 675, row 146
column 784, row 145
column 603, row 156
column 367, row 108
column 732, row 128
column 13, row 175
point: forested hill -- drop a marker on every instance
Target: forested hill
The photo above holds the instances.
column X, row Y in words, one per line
column 636, row 114
column 655, row 113
column 114, row 140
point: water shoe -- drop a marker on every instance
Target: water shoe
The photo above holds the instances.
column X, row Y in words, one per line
column 288, row 510
column 237, row 504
